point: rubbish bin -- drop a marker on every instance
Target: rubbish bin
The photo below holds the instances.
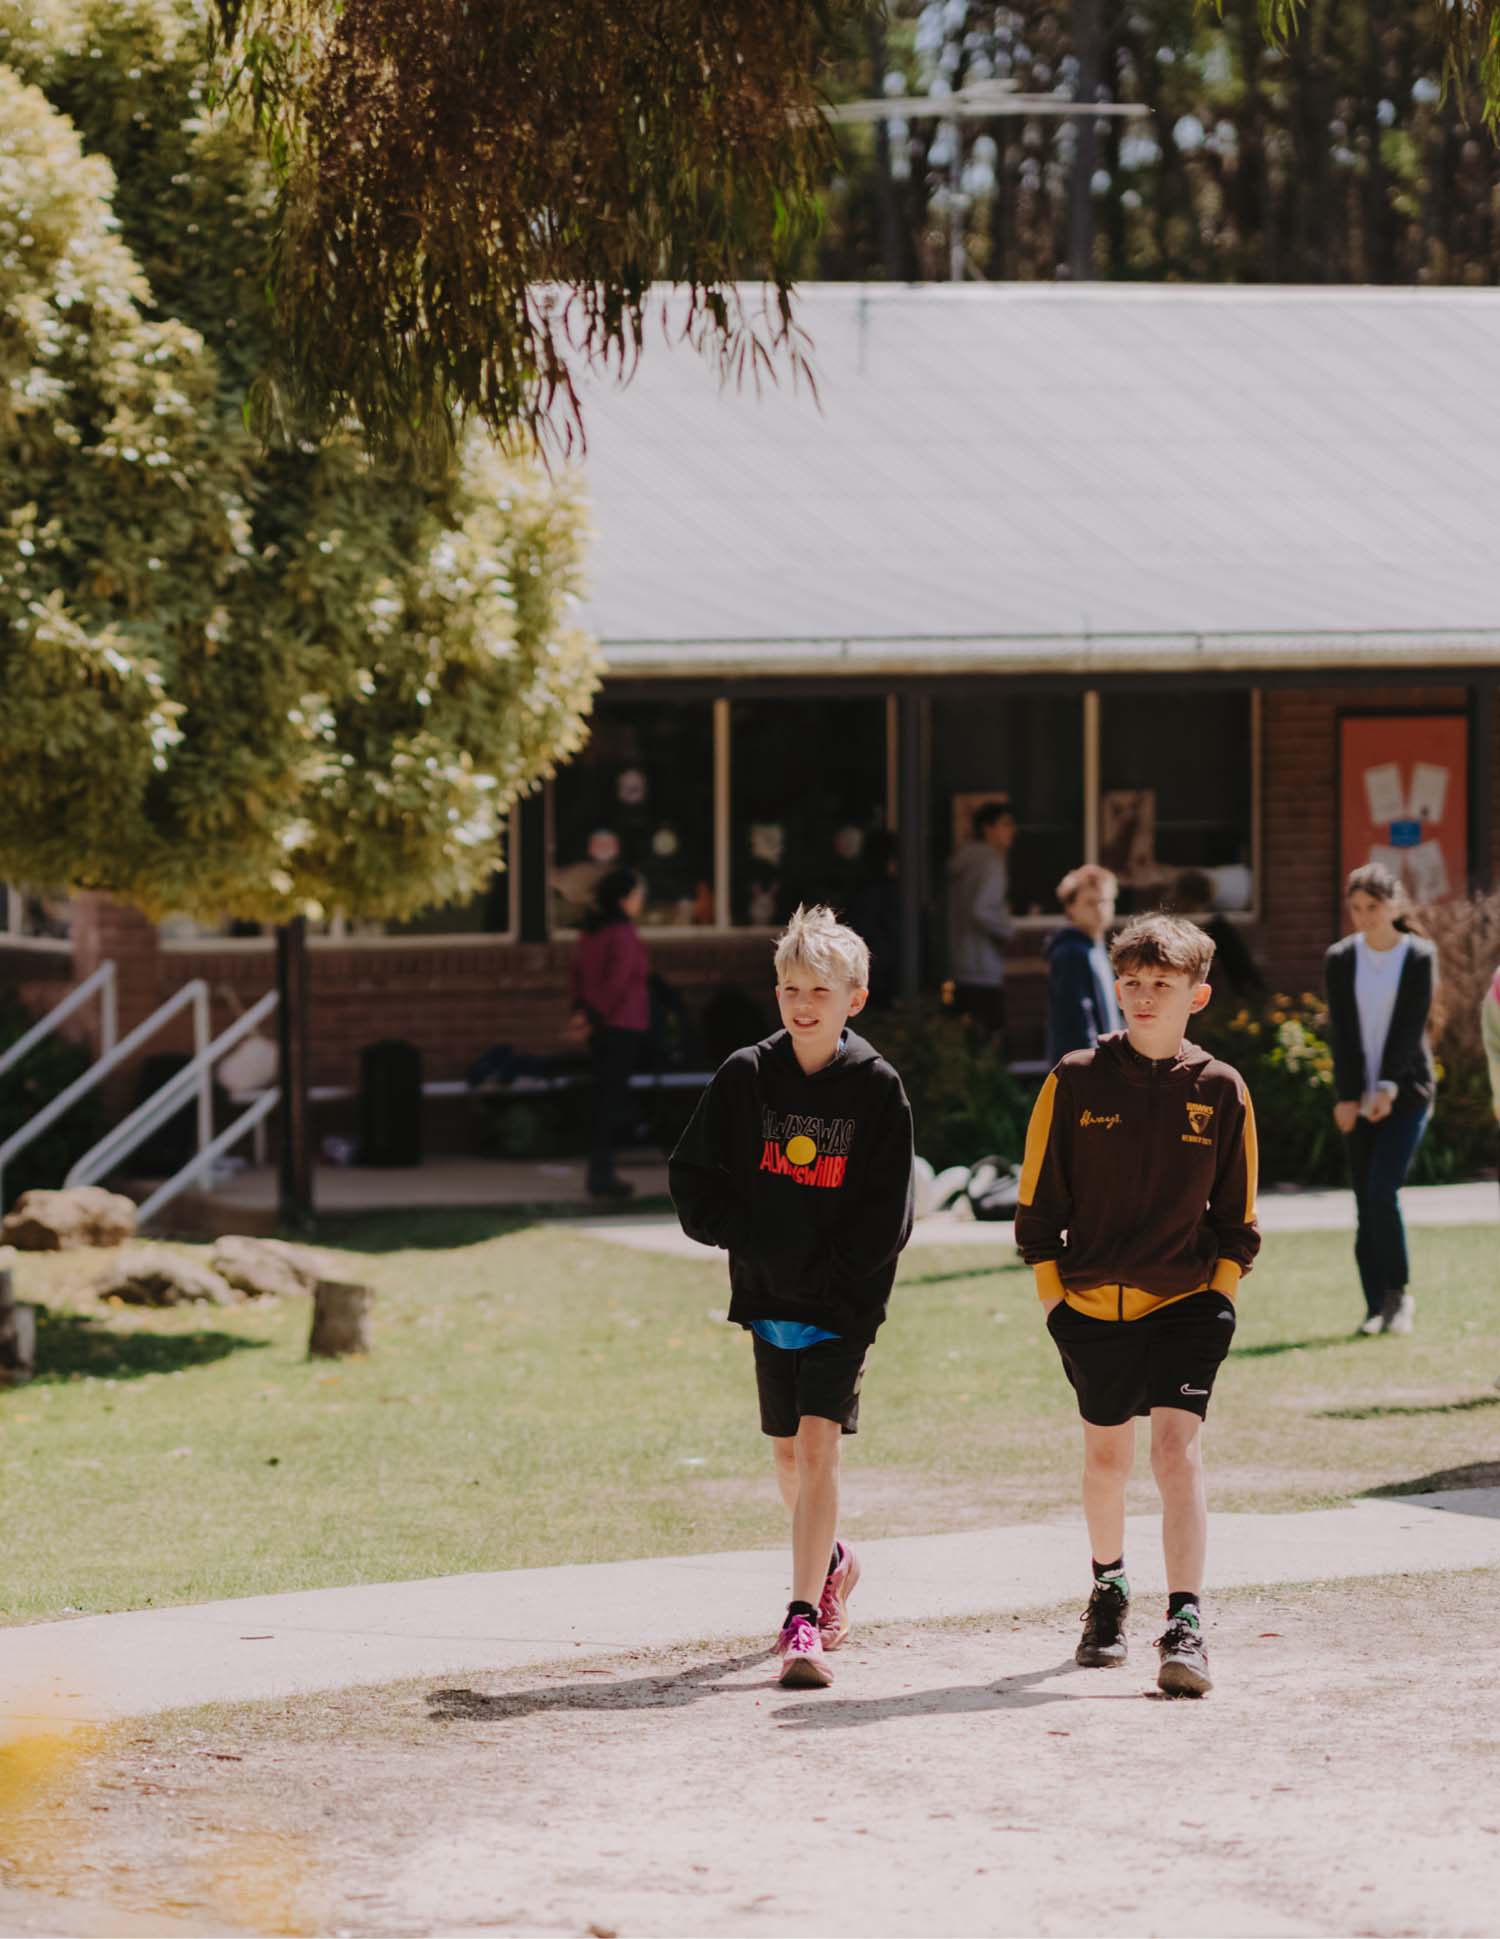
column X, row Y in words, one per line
column 390, row 1104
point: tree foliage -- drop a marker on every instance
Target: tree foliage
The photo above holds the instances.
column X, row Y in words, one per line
column 1333, row 153
column 240, row 679
column 476, row 200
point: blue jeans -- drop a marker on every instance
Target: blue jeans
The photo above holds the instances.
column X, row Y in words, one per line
column 1380, row 1156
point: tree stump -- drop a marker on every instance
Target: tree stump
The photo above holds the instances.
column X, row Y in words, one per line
column 341, row 1319
column 17, row 1333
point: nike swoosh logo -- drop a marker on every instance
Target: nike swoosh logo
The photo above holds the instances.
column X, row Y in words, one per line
column 1192, row 1390
column 1226, row 1316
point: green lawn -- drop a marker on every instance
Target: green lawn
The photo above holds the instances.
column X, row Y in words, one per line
column 536, row 1396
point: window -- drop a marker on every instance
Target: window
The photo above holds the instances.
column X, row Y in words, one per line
column 1176, row 793
column 490, row 913
column 640, row 795
column 1026, row 746
column 28, row 915
column 807, row 791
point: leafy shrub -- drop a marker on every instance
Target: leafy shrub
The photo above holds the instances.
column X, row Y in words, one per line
column 1282, row 1051
column 964, row 1100
column 48, row 1069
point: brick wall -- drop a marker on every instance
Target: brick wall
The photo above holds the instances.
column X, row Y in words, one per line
column 1299, row 851
column 456, row 1000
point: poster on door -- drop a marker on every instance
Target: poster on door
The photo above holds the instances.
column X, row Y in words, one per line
column 1404, row 799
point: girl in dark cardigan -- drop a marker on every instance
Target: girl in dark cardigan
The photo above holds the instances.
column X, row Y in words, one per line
column 611, row 999
column 1380, row 983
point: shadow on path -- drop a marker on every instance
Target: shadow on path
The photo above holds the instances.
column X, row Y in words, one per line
column 662, row 1690
column 1007, row 1693
column 1475, row 1474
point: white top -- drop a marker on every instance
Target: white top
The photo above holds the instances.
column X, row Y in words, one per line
column 1377, row 976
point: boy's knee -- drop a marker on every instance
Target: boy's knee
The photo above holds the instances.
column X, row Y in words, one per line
column 1175, row 1448
column 817, row 1444
column 1112, row 1456
column 785, row 1453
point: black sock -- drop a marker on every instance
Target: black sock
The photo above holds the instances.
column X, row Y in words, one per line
column 836, row 1558
column 1184, row 1602
column 801, row 1609
column 1114, row 1574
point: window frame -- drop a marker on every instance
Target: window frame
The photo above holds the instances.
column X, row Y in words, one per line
column 339, row 936
column 13, row 936
column 723, row 924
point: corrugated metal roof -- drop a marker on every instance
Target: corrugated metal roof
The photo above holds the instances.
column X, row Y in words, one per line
column 1028, row 476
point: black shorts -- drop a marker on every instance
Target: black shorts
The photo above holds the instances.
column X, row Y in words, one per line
column 1120, row 1368
column 822, row 1380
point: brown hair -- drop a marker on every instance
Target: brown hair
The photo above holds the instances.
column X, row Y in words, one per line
column 1375, row 879
column 1163, row 942
column 1089, row 875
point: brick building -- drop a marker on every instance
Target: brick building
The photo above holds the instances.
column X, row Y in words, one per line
column 1200, row 578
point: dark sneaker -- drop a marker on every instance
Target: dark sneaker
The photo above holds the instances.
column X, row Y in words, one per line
column 1184, row 1661
column 1102, row 1644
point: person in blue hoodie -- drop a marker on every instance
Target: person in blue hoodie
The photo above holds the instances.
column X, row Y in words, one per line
column 1081, row 1003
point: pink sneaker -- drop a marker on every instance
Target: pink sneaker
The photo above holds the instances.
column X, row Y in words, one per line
column 833, row 1608
column 802, row 1665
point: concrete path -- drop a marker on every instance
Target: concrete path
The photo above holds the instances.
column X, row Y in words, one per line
column 101, row 1667
column 1321, row 1211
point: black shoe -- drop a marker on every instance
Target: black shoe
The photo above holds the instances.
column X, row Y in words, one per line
column 1184, row 1661
column 611, row 1188
column 1102, row 1644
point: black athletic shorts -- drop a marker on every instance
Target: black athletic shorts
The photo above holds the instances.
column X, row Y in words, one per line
column 822, row 1380
column 1120, row 1368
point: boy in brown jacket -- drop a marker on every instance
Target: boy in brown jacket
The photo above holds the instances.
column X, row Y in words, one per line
column 1137, row 1213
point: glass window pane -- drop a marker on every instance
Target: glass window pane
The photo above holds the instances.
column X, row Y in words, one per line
column 807, row 792
column 30, row 912
column 1026, row 746
column 640, row 795
column 1175, row 793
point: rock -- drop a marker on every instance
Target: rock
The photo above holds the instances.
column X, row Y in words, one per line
column 269, row 1268
column 84, row 1215
column 341, row 1319
column 156, row 1276
column 17, row 1328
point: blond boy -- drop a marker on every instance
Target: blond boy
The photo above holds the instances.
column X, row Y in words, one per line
column 798, row 1161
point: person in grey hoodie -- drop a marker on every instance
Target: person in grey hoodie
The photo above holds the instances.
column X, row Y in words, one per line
column 979, row 920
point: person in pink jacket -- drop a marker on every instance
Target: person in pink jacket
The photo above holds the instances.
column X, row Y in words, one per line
column 610, row 996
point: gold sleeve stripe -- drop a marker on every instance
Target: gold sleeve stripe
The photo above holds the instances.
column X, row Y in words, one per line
column 1226, row 1277
column 1038, row 1132
column 1049, row 1280
column 1252, row 1158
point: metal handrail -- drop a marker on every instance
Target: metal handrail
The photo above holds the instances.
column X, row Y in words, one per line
column 164, row 1103
column 194, row 994
column 102, row 981
column 191, row 1172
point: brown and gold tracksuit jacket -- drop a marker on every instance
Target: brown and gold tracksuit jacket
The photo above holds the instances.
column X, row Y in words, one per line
column 1139, row 1180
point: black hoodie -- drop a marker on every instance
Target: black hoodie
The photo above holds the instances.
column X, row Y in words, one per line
column 805, row 1180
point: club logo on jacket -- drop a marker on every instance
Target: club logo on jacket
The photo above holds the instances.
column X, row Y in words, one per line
column 1199, row 1116
column 1108, row 1123
column 811, row 1151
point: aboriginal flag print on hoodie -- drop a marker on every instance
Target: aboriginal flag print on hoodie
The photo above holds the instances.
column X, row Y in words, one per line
column 806, row 1181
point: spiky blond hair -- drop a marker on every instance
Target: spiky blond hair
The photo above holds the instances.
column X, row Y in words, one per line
column 816, row 940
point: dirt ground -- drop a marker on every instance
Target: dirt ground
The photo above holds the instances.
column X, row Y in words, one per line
column 1343, row 1778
